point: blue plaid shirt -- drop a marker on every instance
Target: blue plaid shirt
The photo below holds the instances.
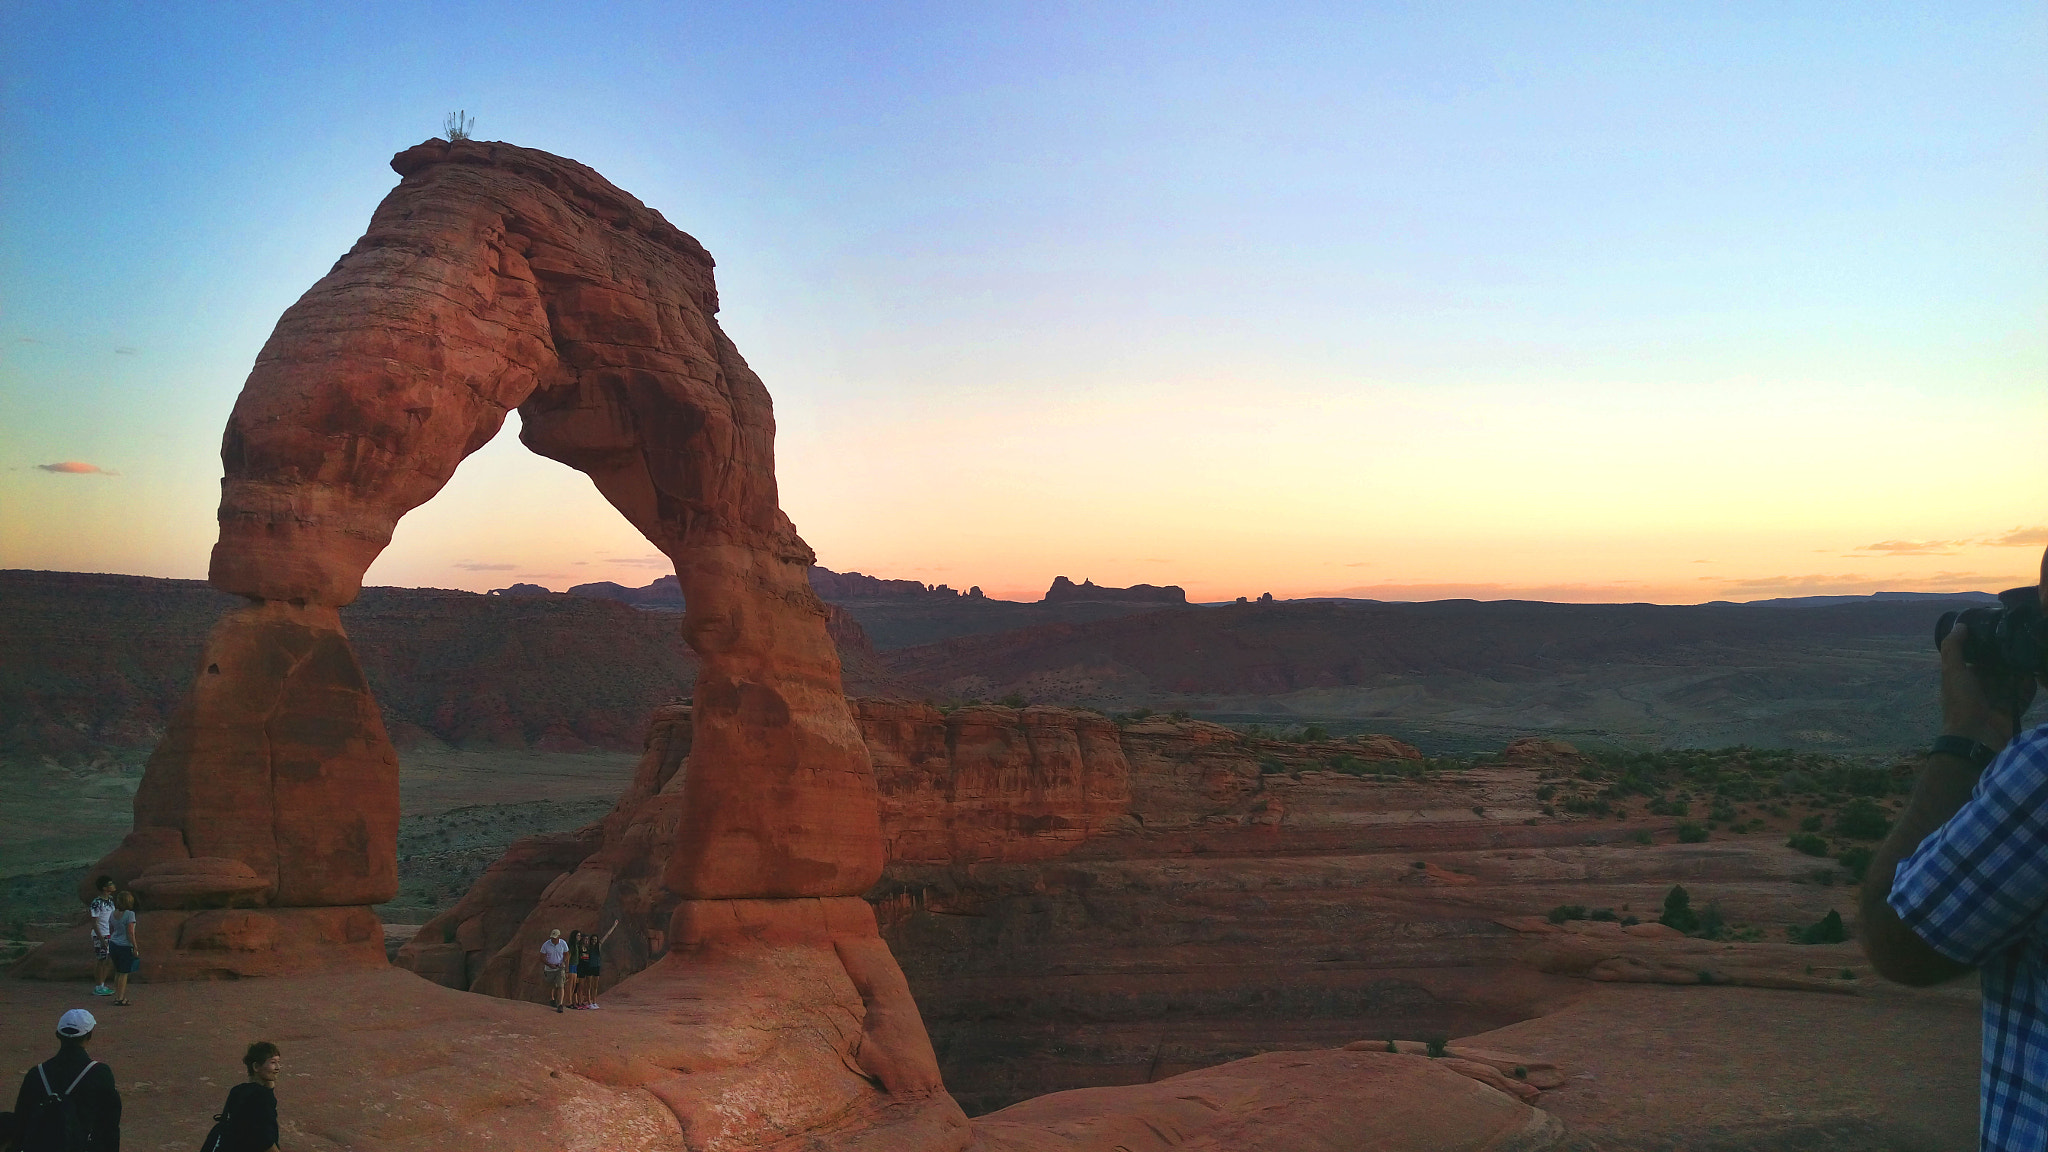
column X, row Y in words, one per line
column 1977, row 892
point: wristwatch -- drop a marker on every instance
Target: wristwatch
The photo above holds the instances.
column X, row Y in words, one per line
column 1977, row 754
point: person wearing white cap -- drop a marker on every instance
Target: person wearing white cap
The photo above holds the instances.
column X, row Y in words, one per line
column 552, row 951
column 69, row 1101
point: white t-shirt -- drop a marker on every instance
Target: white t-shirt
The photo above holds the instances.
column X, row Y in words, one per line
column 552, row 951
column 102, row 916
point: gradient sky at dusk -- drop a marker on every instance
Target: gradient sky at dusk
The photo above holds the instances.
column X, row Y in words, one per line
column 1639, row 302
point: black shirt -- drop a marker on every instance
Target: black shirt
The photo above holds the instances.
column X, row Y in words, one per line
column 252, row 1118
column 99, row 1105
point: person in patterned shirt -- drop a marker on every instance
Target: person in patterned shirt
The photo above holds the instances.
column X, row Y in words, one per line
column 1961, row 883
column 102, row 910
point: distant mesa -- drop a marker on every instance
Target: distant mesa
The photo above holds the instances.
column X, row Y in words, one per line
column 830, row 585
column 1065, row 591
column 523, row 590
column 663, row 593
column 666, row 594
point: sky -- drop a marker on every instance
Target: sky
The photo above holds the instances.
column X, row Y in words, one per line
column 1574, row 302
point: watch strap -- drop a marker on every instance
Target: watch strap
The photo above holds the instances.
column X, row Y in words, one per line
column 1976, row 753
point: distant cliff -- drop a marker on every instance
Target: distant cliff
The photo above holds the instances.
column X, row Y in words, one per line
column 663, row 593
column 666, row 593
column 95, row 664
column 1065, row 591
column 854, row 586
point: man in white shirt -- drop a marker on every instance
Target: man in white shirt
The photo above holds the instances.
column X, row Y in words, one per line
column 103, row 935
column 552, row 951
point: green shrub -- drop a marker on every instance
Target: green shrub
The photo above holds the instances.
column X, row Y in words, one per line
column 1564, row 912
column 1606, row 914
column 1642, row 837
column 1862, row 819
column 1856, row 860
column 1437, row 1043
column 1546, row 792
column 1808, row 843
column 1013, row 700
column 1678, row 911
column 1712, row 926
column 1828, row 930
column 1393, row 1047
column 1811, row 823
column 1315, row 732
column 1690, row 833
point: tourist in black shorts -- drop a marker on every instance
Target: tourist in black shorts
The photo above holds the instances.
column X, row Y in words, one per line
column 589, row 967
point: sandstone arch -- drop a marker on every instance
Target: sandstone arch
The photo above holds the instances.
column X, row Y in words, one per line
column 494, row 278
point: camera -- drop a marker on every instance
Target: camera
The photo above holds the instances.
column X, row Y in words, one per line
column 2011, row 639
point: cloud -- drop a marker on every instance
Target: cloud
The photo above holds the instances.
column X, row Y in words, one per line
column 2022, row 538
column 474, row 566
column 1912, row 547
column 1816, row 584
column 639, row 561
column 76, row 468
column 124, row 350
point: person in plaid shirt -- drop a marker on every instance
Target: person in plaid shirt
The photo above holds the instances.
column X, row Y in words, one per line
column 1962, row 883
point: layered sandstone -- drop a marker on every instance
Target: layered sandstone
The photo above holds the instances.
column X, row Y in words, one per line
column 1077, row 903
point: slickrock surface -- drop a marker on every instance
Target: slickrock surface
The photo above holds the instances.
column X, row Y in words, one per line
column 1676, row 1069
column 385, row 1060
column 1332, row 1101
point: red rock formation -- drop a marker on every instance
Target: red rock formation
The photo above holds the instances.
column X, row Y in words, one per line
column 993, row 783
column 1537, row 752
column 491, row 278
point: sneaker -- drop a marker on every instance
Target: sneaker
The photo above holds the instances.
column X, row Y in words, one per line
column 102, row 990
column 592, row 1007
column 558, row 1007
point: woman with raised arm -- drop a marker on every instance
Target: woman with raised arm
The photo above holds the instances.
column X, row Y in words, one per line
column 592, row 973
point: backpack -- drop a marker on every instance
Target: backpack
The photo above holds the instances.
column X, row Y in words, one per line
column 53, row 1124
column 217, row 1136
